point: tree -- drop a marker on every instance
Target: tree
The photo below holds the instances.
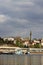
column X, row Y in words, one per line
column 26, row 46
column 19, row 43
column 1, row 41
column 37, row 45
column 6, row 41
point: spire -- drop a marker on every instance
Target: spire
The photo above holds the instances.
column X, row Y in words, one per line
column 30, row 36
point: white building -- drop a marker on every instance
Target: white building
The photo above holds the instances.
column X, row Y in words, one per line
column 35, row 42
column 9, row 39
column 26, row 43
column 42, row 42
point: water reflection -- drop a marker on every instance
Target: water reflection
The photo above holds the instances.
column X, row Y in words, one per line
column 14, row 59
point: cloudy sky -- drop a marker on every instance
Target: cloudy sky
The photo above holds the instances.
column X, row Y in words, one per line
column 18, row 17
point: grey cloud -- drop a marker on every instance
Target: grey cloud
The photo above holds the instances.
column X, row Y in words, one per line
column 23, row 18
column 39, row 2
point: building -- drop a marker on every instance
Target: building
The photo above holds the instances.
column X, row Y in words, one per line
column 42, row 41
column 9, row 38
column 35, row 42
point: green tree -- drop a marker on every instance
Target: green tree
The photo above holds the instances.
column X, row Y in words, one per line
column 37, row 45
column 6, row 41
column 26, row 46
column 1, row 41
column 19, row 43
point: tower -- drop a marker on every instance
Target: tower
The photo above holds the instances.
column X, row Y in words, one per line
column 30, row 36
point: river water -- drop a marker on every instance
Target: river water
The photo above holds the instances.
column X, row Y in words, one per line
column 24, row 59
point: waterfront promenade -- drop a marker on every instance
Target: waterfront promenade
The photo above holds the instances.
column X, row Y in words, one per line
column 12, row 49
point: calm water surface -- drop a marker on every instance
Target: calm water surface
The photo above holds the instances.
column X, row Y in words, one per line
column 13, row 59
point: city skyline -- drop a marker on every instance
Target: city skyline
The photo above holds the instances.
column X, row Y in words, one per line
column 18, row 18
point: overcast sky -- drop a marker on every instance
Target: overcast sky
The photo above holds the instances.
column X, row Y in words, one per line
column 18, row 17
